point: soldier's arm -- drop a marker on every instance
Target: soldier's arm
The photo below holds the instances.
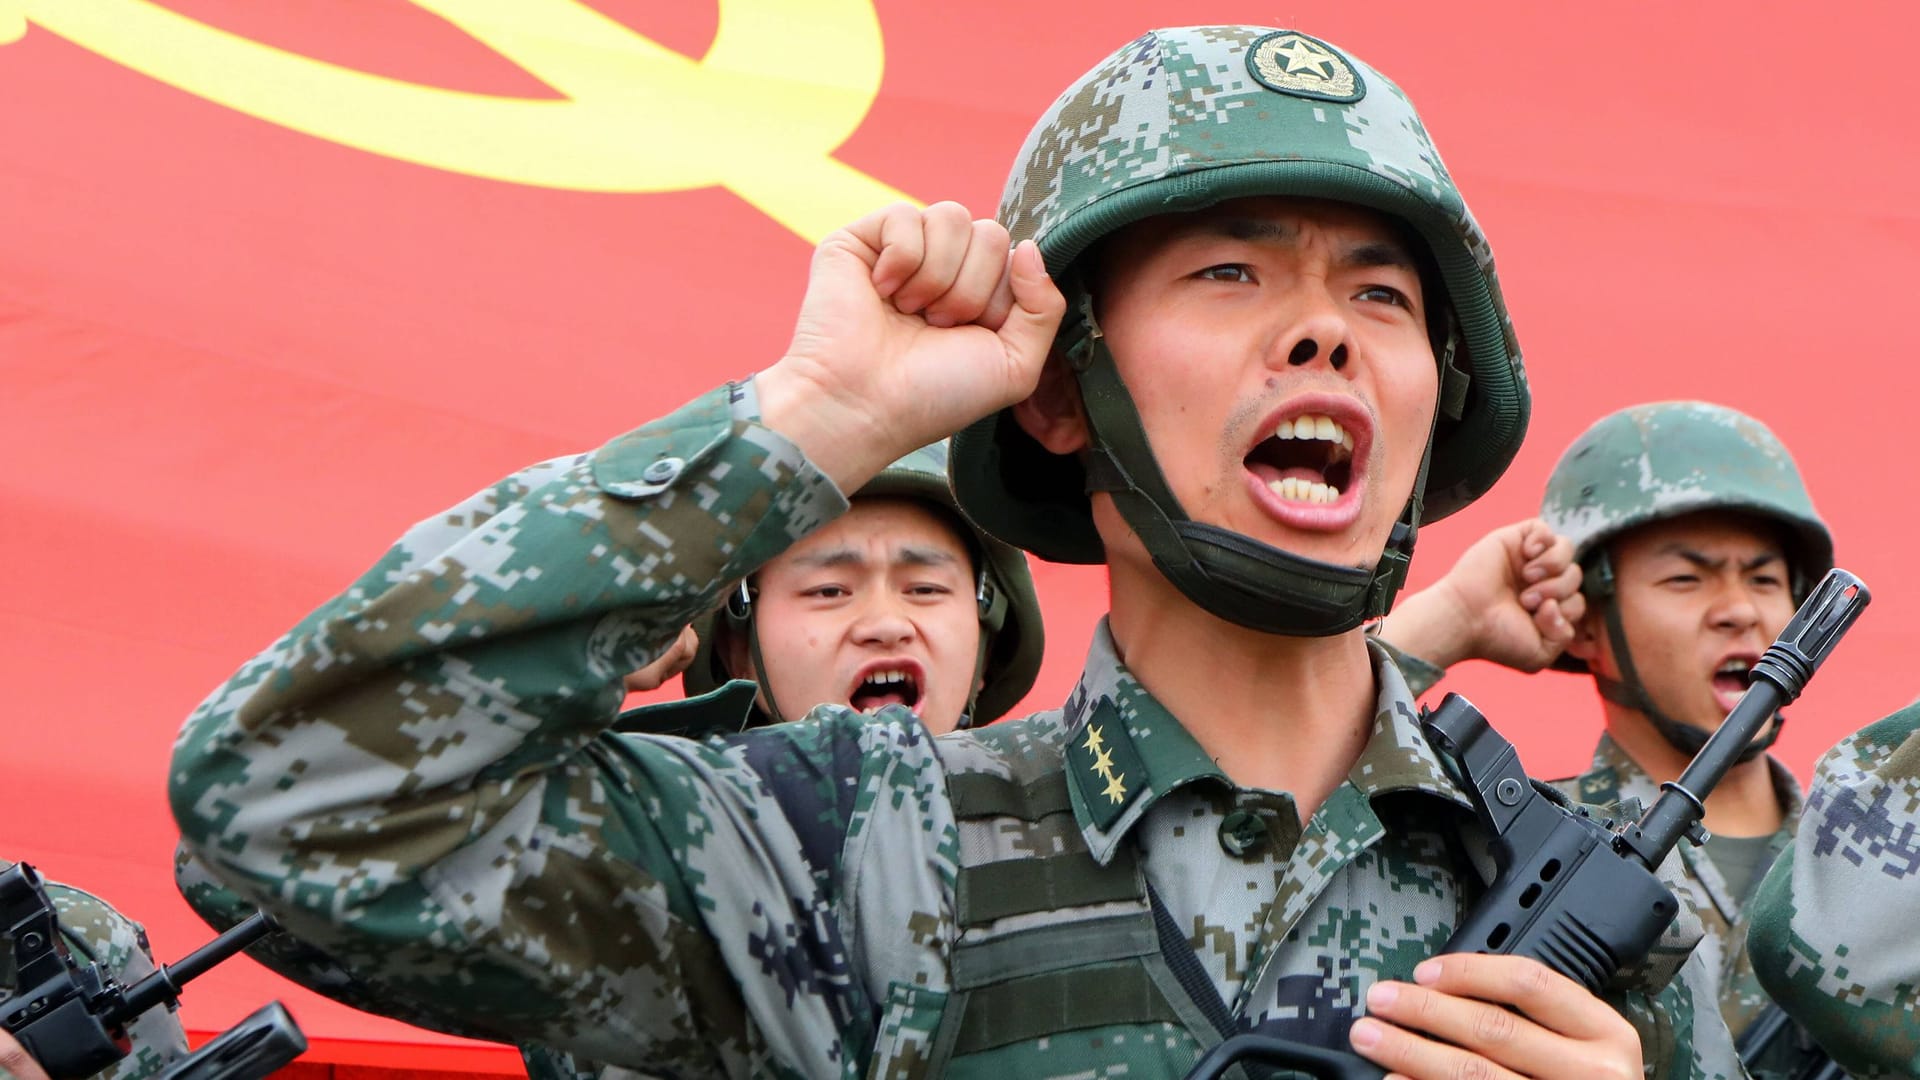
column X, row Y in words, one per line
column 1512, row 598
column 1832, row 934
column 415, row 780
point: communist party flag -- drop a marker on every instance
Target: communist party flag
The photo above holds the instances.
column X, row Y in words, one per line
column 278, row 279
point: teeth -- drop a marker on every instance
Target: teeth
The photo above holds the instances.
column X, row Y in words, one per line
column 1736, row 667
column 1323, row 428
column 1297, row 490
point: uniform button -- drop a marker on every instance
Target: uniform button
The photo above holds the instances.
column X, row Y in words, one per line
column 1242, row 833
column 663, row 471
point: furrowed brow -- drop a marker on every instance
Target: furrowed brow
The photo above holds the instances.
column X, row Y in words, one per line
column 1698, row 558
column 1763, row 559
column 831, row 559
column 925, row 556
column 1379, row 253
column 1256, row 229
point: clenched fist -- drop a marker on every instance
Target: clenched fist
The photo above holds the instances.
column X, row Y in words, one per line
column 915, row 324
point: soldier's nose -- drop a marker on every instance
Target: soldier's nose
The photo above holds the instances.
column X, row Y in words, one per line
column 1306, row 349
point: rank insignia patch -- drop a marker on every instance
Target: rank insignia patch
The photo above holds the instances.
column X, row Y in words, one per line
column 1296, row 64
column 1104, row 765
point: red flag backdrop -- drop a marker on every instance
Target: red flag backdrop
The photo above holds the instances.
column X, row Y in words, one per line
column 278, row 279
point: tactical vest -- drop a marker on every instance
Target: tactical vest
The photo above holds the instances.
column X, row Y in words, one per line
column 1050, row 942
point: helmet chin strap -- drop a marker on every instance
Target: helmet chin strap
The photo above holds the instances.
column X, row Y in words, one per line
column 739, row 615
column 1233, row 576
column 1629, row 692
column 990, row 602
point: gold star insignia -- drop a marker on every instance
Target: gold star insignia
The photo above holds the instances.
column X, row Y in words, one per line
column 1302, row 55
column 1094, row 741
column 1103, row 762
column 1115, row 790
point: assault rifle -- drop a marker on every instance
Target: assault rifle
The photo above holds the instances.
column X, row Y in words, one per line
column 1579, row 895
column 72, row 1017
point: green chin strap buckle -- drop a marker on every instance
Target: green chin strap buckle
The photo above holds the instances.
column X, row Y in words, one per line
column 1233, row 576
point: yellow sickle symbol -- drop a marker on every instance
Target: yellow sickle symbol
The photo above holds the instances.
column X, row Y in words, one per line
column 784, row 84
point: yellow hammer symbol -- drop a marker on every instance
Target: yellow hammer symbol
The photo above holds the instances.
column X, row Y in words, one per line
column 784, row 84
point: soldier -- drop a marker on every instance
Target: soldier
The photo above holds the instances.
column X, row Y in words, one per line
column 99, row 934
column 1832, row 925
column 1697, row 539
column 1286, row 350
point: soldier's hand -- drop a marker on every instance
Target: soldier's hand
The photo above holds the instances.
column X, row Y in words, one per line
column 1494, row 1017
column 1512, row 598
column 678, row 657
column 14, row 1062
column 915, row 324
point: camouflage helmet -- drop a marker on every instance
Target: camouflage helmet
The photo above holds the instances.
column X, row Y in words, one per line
column 1181, row 119
column 1663, row 460
column 1012, row 634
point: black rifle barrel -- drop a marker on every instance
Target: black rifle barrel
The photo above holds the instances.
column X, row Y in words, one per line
column 1779, row 676
column 164, row 985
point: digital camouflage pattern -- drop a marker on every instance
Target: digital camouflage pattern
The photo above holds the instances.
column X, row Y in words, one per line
column 1833, row 936
column 1613, row 779
column 1669, row 458
column 1183, row 118
column 118, row 944
column 419, row 781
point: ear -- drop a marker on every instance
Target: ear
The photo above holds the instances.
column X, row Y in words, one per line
column 1588, row 637
column 733, row 652
column 1053, row 414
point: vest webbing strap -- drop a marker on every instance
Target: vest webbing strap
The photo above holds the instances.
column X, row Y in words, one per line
column 983, row 795
column 1186, row 967
column 1022, row 886
column 1053, row 947
column 1018, row 1010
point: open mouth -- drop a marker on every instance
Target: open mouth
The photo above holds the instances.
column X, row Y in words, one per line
column 1733, row 675
column 888, row 683
column 1307, row 459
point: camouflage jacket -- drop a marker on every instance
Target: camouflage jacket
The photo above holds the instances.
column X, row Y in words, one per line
column 418, row 779
column 1615, row 778
column 92, row 926
column 1833, row 936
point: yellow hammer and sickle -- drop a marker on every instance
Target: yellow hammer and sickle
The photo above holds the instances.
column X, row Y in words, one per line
column 783, row 85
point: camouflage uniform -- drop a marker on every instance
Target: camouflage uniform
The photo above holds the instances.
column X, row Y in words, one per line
column 1615, row 778
column 416, row 778
column 120, row 945
column 1833, row 925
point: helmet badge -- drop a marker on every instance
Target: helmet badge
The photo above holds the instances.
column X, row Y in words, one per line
column 1293, row 63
